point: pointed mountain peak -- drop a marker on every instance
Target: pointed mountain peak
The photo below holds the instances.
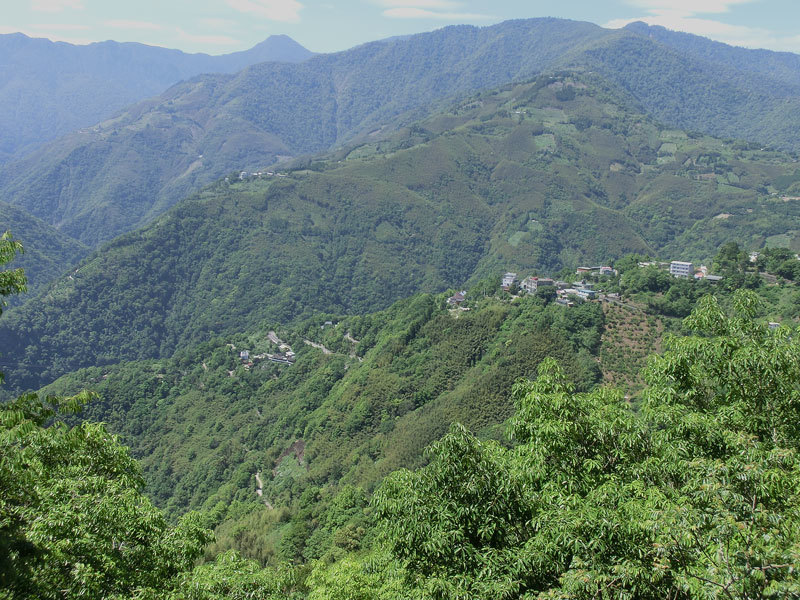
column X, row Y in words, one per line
column 279, row 48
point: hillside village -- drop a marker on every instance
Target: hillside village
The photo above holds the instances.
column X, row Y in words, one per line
column 284, row 356
column 566, row 293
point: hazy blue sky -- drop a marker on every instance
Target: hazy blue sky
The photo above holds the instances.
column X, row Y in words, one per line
column 218, row 26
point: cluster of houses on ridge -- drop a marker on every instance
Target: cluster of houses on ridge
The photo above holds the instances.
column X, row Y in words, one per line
column 244, row 174
column 584, row 289
column 259, row 174
column 679, row 268
column 562, row 289
column 285, row 356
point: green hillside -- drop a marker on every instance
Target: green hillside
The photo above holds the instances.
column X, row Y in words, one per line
column 203, row 423
column 726, row 96
column 283, row 458
column 532, row 177
column 121, row 173
column 300, row 460
column 48, row 252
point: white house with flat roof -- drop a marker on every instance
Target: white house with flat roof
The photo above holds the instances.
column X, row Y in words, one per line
column 678, row 268
column 509, row 279
column 532, row 284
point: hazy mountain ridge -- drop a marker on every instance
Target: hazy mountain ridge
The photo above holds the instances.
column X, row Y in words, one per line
column 703, row 89
column 269, row 110
column 48, row 89
column 201, row 129
column 98, row 180
column 777, row 66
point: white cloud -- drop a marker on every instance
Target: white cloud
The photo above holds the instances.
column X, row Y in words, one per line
column 787, row 44
column 227, row 24
column 60, row 26
column 126, row 24
column 207, row 40
column 687, row 7
column 274, row 10
column 411, row 12
column 445, row 10
column 56, row 5
column 440, row 4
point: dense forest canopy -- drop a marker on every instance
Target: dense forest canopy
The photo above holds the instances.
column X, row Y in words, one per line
column 692, row 494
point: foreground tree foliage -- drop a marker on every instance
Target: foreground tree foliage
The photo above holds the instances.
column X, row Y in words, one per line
column 231, row 577
column 693, row 495
column 73, row 520
column 12, row 281
column 75, row 524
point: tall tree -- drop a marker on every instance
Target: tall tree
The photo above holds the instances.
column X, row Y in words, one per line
column 12, row 281
column 73, row 519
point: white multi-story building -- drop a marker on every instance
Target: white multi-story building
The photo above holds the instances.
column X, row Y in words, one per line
column 678, row 268
column 509, row 279
column 532, row 284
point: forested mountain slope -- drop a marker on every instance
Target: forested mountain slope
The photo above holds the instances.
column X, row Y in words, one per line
column 48, row 89
column 48, row 252
column 377, row 390
column 690, row 83
column 127, row 170
column 692, row 490
column 535, row 176
column 783, row 67
column 285, row 457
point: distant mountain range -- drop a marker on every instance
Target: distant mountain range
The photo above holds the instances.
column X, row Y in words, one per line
column 121, row 173
column 48, row 89
column 259, row 270
column 535, row 176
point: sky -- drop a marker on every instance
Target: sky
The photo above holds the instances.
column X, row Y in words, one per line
column 222, row 26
